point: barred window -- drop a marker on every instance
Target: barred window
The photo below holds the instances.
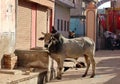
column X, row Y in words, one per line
column 67, row 25
column 58, row 24
column 61, row 25
column 64, row 25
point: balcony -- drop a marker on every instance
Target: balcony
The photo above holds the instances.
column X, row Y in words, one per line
column 66, row 3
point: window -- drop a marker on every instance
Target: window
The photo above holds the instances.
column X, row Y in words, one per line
column 61, row 25
column 67, row 25
column 58, row 23
column 64, row 25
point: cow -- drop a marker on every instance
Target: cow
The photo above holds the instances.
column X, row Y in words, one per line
column 61, row 48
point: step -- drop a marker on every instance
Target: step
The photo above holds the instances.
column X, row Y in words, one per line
column 18, row 77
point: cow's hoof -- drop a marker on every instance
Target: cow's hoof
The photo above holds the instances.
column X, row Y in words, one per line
column 59, row 78
column 66, row 68
column 92, row 76
column 84, row 75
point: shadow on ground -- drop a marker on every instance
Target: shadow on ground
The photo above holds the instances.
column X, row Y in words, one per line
column 110, row 65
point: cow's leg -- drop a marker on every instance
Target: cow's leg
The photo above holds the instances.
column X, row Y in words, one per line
column 93, row 65
column 60, row 67
column 88, row 65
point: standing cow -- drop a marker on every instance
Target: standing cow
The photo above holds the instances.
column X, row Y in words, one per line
column 61, row 48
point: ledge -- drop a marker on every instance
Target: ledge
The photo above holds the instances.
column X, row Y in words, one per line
column 17, row 76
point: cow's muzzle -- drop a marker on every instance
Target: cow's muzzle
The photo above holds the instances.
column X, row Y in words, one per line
column 46, row 45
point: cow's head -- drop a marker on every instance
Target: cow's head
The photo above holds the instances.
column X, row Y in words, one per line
column 53, row 42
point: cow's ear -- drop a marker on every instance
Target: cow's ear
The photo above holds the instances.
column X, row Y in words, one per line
column 41, row 38
column 43, row 33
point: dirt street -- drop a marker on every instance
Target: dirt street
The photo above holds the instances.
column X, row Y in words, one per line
column 107, row 70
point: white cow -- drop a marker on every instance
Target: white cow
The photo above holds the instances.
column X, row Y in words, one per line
column 61, row 48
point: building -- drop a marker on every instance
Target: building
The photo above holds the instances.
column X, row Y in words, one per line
column 77, row 18
column 62, row 15
column 77, row 21
column 21, row 23
column 115, row 3
column 118, row 4
column 33, row 17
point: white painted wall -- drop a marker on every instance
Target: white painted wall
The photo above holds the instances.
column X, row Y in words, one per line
column 7, row 24
column 0, row 17
column 7, row 27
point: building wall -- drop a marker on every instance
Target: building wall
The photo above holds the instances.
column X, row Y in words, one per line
column 24, row 20
column 62, row 13
column 33, row 19
column 118, row 4
column 42, row 24
column 77, row 11
column 47, row 3
column 7, row 27
column 76, row 24
column 67, row 3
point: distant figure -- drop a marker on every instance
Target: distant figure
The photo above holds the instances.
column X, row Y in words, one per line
column 109, row 40
column 53, row 30
column 71, row 34
column 107, row 34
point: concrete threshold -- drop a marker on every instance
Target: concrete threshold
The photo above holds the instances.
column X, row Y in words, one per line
column 18, row 77
column 7, row 71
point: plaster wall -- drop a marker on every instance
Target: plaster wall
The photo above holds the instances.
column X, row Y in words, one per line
column 7, row 27
column 77, row 11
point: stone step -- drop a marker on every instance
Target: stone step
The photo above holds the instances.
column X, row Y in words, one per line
column 8, row 71
column 17, row 77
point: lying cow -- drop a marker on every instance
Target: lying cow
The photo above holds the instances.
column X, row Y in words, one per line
column 61, row 48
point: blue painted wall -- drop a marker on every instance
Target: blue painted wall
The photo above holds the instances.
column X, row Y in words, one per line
column 76, row 25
